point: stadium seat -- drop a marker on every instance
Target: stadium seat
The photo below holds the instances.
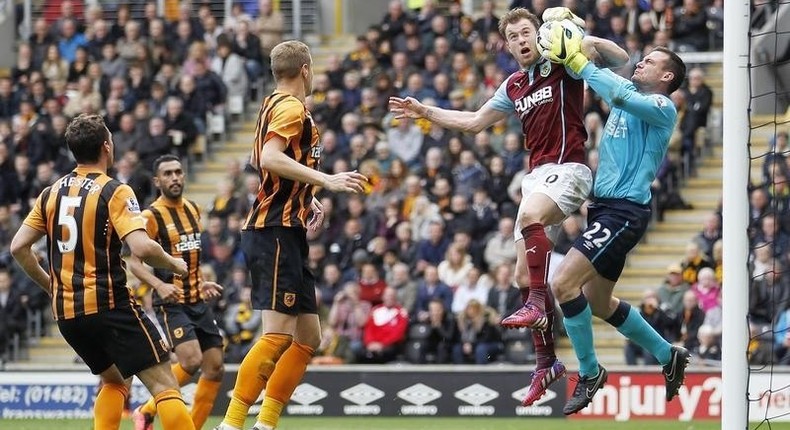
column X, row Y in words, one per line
column 419, row 331
column 414, row 351
column 518, row 352
column 521, row 334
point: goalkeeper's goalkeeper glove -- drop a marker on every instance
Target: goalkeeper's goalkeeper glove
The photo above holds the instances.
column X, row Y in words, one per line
column 561, row 13
column 561, row 42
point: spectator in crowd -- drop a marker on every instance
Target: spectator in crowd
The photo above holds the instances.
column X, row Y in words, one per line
column 156, row 143
column 694, row 261
column 689, row 27
column 650, row 309
column 781, row 340
column 672, row 291
column 129, row 172
column 776, row 157
column 709, row 351
column 501, row 248
column 13, row 313
column 430, row 250
column 476, row 286
column 405, row 287
column 710, row 234
column 371, row 284
column 688, row 322
column 770, row 232
column 769, row 295
column 707, row 290
column 479, row 342
column 504, row 297
column 385, row 330
column 347, row 318
column 442, row 335
column 242, row 325
column 488, row 21
column 229, row 66
column 429, row 288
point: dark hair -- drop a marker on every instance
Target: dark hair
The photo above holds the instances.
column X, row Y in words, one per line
column 164, row 159
column 85, row 136
column 515, row 15
column 676, row 66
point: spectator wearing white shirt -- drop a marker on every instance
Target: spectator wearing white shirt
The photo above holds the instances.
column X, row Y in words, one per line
column 475, row 287
column 455, row 267
column 408, row 141
column 501, row 247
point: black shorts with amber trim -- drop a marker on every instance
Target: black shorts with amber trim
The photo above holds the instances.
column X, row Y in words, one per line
column 277, row 260
column 182, row 323
column 123, row 336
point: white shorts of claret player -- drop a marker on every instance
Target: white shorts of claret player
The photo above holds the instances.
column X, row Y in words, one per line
column 567, row 184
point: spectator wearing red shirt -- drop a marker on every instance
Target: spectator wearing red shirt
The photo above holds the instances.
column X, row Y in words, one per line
column 385, row 330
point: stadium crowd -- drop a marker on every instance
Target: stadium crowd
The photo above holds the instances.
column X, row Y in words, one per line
column 420, row 267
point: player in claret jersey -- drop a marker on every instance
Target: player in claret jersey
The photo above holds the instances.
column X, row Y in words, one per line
column 548, row 100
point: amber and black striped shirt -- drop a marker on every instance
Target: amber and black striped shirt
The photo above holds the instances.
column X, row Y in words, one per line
column 85, row 215
column 177, row 228
column 281, row 201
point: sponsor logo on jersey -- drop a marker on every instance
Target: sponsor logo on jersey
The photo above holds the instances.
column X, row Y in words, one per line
column 188, row 242
column 538, row 97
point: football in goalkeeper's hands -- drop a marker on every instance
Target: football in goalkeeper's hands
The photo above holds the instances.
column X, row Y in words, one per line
column 557, row 39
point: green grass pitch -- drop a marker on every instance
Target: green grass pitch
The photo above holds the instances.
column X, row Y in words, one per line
column 374, row 423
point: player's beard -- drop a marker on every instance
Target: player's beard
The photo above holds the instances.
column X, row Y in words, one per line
column 169, row 193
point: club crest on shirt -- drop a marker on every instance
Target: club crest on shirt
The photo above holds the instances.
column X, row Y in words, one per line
column 289, row 299
column 132, row 205
column 178, row 333
column 545, row 69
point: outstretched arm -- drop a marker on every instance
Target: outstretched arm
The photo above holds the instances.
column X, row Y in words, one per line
column 468, row 122
column 604, row 53
column 655, row 109
column 274, row 160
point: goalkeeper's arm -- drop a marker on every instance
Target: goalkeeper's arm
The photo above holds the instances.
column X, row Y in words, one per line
column 604, row 53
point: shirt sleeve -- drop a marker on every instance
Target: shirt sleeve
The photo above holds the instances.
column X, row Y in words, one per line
column 287, row 120
column 654, row 109
column 35, row 219
column 151, row 227
column 125, row 215
column 500, row 101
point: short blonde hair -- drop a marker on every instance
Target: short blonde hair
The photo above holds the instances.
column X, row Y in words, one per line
column 288, row 58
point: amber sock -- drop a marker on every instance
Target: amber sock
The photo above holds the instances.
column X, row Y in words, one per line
column 172, row 411
column 108, row 408
column 287, row 375
column 182, row 377
column 256, row 368
column 205, row 394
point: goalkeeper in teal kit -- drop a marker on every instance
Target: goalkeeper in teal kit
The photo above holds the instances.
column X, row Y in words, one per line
column 633, row 146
